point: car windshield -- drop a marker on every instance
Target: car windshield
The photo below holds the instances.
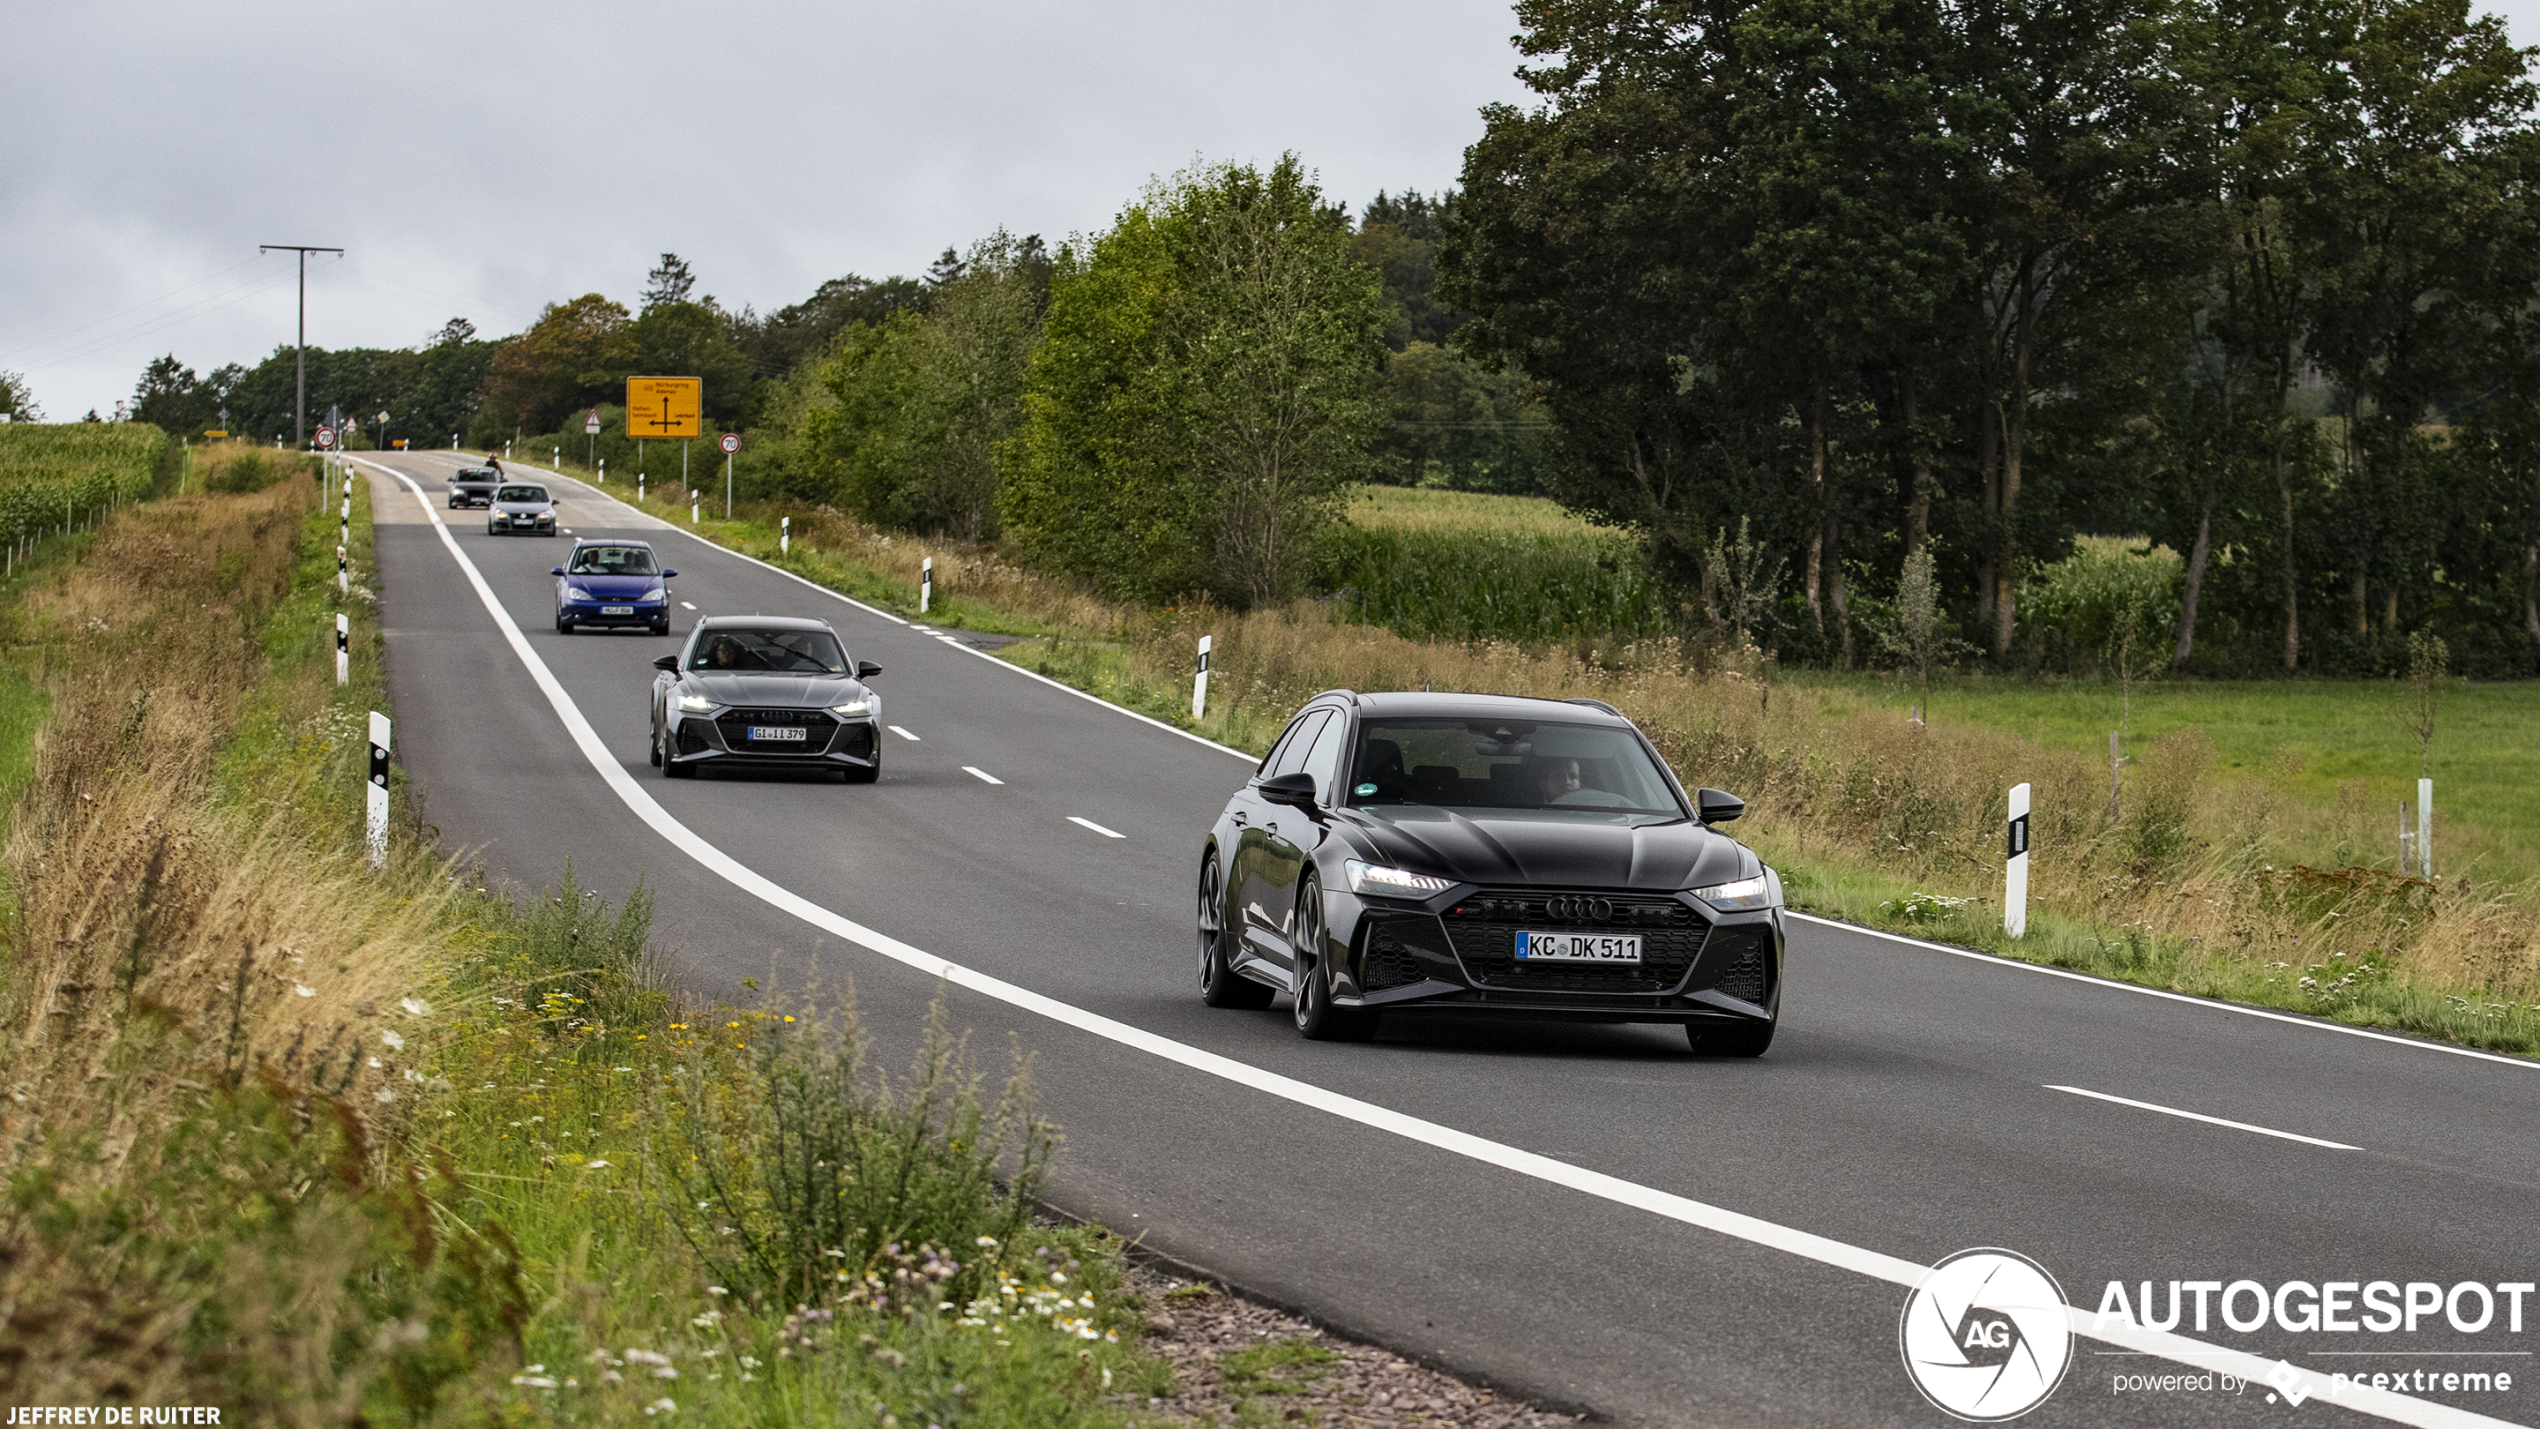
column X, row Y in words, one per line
column 1510, row 764
column 476, row 473
column 783, row 652
column 611, row 561
column 521, row 493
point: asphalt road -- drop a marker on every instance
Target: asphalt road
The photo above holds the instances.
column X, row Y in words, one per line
column 1505, row 1201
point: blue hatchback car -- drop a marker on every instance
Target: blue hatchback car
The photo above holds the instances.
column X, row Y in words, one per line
column 607, row 583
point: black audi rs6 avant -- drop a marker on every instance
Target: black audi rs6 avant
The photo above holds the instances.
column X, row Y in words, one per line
column 765, row 692
column 1483, row 854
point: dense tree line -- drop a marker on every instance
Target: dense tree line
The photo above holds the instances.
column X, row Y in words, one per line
column 1886, row 276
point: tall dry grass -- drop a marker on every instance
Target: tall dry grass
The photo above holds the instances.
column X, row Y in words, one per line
column 192, row 1016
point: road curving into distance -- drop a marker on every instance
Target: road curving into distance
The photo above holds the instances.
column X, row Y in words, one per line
column 1583, row 1215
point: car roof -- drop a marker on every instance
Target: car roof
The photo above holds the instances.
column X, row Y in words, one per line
column 762, row 622
column 1416, row 704
column 581, row 541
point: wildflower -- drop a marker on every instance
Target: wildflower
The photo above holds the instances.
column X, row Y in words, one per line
column 394, row 1042
column 663, row 1405
column 646, row 1357
column 748, row 1362
column 303, row 989
column 415, row 1007
column 715, row 1289
column 594, row 1164
column 383, row 1095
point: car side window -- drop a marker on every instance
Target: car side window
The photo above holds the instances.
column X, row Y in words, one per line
column 1290, row 755
column 1323, row 761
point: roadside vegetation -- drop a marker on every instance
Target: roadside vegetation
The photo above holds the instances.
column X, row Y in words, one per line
column 319, row 1144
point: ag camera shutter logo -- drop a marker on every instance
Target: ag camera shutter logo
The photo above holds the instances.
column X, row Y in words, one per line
column 1985, row 1335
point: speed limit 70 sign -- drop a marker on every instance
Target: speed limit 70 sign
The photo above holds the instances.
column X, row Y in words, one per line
column 731, row 443
column 325, row 438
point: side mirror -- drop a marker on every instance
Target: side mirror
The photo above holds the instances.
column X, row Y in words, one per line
column 866, row 669
column 555, row 570
column 666, row 662
column 1296, row 790
column 1718, row 806
column 666, row 575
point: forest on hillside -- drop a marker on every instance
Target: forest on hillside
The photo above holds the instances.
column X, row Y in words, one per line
column 1799, row 293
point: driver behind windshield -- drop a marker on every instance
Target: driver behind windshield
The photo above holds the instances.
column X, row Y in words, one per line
column 780, row 652
column 612, row 561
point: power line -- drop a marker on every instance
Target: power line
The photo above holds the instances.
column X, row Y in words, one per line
column 42, row 343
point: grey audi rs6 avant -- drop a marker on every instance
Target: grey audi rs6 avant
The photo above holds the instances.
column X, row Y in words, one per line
column 766, row 692
column 1481, row 854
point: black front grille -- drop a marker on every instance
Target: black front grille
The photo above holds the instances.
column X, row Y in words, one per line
column 1387, row 963
column 1484, row 930
column 1739, row 962
column 816, row 724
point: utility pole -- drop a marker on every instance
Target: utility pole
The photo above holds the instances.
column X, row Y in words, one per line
column 300, row 401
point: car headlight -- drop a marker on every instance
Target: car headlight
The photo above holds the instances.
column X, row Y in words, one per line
column 575, row 592
column 1743, row 896
column 854, row 707
column 657, row 593
column 695, row 702
column 1393, row 882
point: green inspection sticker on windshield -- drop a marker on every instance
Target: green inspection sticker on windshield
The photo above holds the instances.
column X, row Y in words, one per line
column 1366, row 789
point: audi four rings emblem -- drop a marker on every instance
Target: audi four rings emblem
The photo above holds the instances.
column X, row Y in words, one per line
column 1580, row 910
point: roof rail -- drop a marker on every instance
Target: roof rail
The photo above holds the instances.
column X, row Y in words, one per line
column 1352, row 695
column 1594, row 704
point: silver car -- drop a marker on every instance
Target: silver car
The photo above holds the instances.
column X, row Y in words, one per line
column 765, row 691
column 521, row 506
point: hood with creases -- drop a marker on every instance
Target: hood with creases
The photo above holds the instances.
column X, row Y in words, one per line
column 1547, row 849
column 614, row 587
column 778, row 691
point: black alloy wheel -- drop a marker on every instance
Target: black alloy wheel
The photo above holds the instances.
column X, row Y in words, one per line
column 1748, row 1040
column 1317, row 1020
column 1219, row 984
column 662, row 629
column 563, row 626
column 671, row 768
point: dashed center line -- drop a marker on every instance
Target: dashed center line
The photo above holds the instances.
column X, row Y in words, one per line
column 904, row 734
column 683, row 605
column 974, row 769
column 1097, row 828
column 2208, row 1120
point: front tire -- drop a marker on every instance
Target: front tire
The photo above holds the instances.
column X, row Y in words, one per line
column 1749, row 1040
column 653, row 751
column 870, row 773
column 671, row 768
column 1317, row 1019
column 1219, row 984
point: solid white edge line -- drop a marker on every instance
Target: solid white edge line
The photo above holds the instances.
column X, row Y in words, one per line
column 2200, row 1116
column 2314, row 1024
column 975, row 770
column 1807, row 1245
column 1097, row 828
column 904, row 734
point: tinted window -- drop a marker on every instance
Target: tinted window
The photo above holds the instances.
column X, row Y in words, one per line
column 1509, row 764
column 1290, row 755
column 761, row 652
column 1323, row 761
column 521, row 493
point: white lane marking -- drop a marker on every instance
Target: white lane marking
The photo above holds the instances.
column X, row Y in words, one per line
column 947, row 639
column 1807, row 1245
column 683, row 605
column 2200, row 1116
column 981, row 773
column 1097, row 828
column 2526, row 1063
column 904, row 734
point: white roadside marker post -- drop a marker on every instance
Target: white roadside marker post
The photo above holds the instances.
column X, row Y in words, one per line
column 2425, row 829
column 1199, row 683
column 925, row 585
column 2015, row 878
column 343, row 573
column 784, row 535
column 343, row 650
column 378, row 795
column 692, row 508
column 604, row 471
column 639, row 488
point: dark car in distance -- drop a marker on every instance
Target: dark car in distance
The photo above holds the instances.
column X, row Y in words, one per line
column 1419, row 854
column 766, row 692
column 474, row 486
column 608, row 584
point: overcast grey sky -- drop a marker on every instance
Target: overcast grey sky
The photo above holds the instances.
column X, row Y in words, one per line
column 479, row 159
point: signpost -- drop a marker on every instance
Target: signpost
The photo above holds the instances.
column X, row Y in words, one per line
column 731, row 443
column 591, row 432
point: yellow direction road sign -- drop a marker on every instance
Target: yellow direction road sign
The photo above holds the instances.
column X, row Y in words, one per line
column 664, row 406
